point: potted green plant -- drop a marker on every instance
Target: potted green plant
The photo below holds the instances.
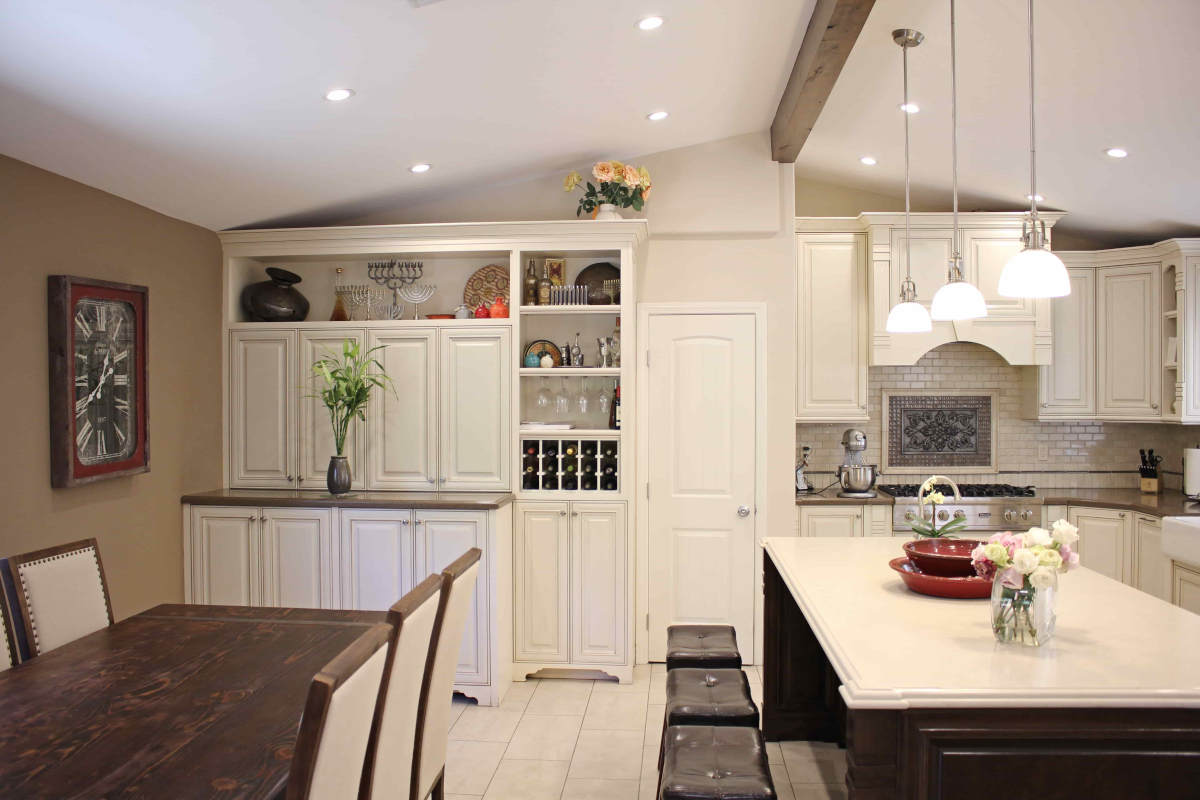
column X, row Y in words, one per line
column 346, row 388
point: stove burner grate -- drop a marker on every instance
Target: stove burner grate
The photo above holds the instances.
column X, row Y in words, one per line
column 966, row 489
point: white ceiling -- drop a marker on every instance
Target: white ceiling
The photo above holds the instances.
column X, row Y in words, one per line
column 213, row 111
column 1109, row 72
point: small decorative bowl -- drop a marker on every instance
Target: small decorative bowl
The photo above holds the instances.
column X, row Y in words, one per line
column 949, row 558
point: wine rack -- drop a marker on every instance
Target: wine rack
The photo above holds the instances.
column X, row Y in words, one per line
column 570, row 465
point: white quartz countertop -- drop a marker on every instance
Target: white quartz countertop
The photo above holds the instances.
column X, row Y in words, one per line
column 1114, row 646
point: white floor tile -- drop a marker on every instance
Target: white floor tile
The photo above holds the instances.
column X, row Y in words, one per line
column 545, row 737
column 565, row 696
column 484, row 724
column 528, row 780
column 658, row 669
column 649, row 761
column 517, row 696
column 774, row 753
column 608, row 754
column 783, row 788
column 457, row 707
column 599, row 789
column 654, row 724
column 615, row 711
column 648, row 789
column 470, row 765
column 658, row 688
column 814, row 770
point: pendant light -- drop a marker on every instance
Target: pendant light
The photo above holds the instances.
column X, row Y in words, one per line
column 958, row 298
column 907, row 316
column 1035, row 271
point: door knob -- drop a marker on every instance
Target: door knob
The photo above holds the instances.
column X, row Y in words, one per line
column 743, row 511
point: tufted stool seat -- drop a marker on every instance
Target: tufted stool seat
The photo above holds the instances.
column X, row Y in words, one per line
column 702, row 647
column 715, row 762
column 707, row 697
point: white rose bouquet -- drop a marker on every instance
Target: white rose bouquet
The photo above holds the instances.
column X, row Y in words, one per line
column 1030, row 559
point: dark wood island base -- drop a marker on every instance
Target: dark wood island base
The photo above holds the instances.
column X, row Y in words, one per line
column 969, row 752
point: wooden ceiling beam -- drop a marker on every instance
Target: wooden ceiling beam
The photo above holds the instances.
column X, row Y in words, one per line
column 832, row 32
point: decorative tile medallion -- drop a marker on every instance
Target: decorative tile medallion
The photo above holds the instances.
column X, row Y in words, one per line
column 943, row 431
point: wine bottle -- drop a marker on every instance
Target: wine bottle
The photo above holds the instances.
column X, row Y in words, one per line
column 570, row 467
column 543, row 287
column 609, row 450
column 531, row 449
column 570, row 483
column 589, row 449
column 550, row 452
column 588, row 468
column 550, row 482
column 616, row 410
column 531, row 286
column 529, row 482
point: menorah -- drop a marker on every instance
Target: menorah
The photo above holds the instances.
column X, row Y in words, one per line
column 395, row 274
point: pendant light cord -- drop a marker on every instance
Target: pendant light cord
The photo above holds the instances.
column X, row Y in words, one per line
column 907, row 202
column 1032, row 132
column 954, row 138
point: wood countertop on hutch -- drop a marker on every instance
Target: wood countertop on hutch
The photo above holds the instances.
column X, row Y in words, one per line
column 284, row 498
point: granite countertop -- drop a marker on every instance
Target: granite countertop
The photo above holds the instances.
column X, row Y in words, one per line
column 829, row 497
column 1170, row 503
column 294, row 498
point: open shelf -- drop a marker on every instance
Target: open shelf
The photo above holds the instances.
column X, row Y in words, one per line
column 609, row 309
column 563, row 372
column 577, row 433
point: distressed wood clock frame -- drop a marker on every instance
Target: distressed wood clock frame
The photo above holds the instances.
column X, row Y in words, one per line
column 64, row 292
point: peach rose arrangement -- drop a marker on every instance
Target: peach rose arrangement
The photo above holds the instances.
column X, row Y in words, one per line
column 622, row 185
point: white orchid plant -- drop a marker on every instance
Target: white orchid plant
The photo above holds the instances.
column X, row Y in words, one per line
column 1029, row 560
column 929, row 496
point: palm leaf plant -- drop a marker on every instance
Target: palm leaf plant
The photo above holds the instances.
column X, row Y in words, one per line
column 346, row 386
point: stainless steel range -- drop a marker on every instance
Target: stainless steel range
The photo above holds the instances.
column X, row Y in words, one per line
column 987, row 507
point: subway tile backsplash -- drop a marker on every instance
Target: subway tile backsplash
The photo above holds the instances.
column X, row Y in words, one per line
column 1078, row 454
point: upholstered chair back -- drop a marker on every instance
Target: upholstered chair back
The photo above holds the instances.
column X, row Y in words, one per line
column 331, row 746
column 8, row 643
column 458, row 589
column 62, row 592
column 391, row 755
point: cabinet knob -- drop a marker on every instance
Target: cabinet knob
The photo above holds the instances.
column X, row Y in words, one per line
column 574, row 513
column 289, row 477
column 432, row 480
column 562, row 513
column 252, row 519
column 403, row 522
column 1154, row 406
column 1045, row 405
column 743, row 511
column 1121, row 515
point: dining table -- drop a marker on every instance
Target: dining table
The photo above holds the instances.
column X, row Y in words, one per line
column 179, row 701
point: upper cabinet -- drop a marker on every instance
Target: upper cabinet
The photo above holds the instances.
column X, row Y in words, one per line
column 1067, row 387
column 262, row 409
column 1128, row 369
column 474, row 408
column 403, row 423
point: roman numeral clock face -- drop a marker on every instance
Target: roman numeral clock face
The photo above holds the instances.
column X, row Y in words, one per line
column 105, row 376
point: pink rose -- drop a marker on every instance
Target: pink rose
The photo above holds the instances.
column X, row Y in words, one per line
column 604, row 172
column 1012, row 578
column 631, row 175
column 985, row 569
column 1070, row 558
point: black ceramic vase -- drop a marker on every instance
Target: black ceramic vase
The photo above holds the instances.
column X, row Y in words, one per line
column 338, row 476
column 276, row 300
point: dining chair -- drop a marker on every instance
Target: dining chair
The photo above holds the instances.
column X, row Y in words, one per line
column 433, row 722
column 62, row 594
column 9, row 657
column 332, row 742
column 395, row 743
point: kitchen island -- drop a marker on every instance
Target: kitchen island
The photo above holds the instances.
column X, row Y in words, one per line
column 930, row 706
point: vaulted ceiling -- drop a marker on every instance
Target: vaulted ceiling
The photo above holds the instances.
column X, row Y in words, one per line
column 213, row 111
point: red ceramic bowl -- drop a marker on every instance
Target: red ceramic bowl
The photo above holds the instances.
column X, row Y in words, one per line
column 948, row 557
column 969, row 587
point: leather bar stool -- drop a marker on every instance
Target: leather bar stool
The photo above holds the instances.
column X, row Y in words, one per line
column 715, row 762
column 717, row 697
column 702, row 647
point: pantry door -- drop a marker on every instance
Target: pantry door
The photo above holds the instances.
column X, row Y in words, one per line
column 701, row 429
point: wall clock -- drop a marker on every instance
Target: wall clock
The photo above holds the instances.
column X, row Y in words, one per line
column 98, row 414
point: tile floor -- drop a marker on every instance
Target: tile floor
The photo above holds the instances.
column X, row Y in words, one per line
column 572, row 739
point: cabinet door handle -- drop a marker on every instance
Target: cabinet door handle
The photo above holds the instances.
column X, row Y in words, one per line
column 562, row 513
column 289, row 478
column 1122, row 515
column 252, row 519
column 403, row 522
column 574, row 513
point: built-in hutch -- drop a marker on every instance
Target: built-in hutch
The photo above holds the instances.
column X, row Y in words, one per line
column 459, row 455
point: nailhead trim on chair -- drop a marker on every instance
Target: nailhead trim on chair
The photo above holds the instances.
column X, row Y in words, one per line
column 37, row 647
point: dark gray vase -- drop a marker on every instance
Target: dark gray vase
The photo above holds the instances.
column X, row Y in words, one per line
column 276, row 300
column 338, row 477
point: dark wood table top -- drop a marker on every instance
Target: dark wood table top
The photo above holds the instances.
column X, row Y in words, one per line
column 177, row 702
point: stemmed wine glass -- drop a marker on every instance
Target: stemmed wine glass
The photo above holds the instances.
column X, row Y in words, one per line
column 562, row 401
column 543, row 394
column 605, row 403
column 581, row 399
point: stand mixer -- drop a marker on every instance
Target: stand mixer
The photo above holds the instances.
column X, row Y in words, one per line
column 855, row 477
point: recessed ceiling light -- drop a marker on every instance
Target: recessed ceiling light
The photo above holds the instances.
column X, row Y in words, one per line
column 338, row 95
column 655, row 116
column 868, row 160
column 1040, row 199
column 419, row 168
column 1116, row 152
column 650, row 23
column 911, row 108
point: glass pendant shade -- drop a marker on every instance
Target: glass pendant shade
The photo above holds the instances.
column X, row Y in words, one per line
column 1035, row 272
column 958, row 300
column 909, row 317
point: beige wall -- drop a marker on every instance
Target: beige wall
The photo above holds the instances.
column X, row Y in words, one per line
column 51, row 225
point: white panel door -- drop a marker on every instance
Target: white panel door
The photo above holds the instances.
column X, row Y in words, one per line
column 474, row 408
column 297, row 555
column 1128, row 364
column 831, row 327
column 225, row 555
column 541, row 577
column 1068, row 386
column 1185, row 589
column 404, row 435
column 1103, row 540
column 376, row 557
column 441, row 537
column 316, row 429
column 262, row 409
column 1151, row 569
column 701, row 446
column 931, row 250
column 598, row 588
column 835, row 521
column 985, row 252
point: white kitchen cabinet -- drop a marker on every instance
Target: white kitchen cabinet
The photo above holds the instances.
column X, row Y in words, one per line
column 440, row 537
column 223, row 556
column 832, row 520
column 598, row 589
column 1104, row 540
column 474, row 408
column 316, row 430
column 831, row 327
column 1067, row 387
column 541, row 571
column 262, row 409
column 1151, row 569
column 1128, row 325
column 376, row 557
column 403, row 423
column 1185, row 586
column 297, row 557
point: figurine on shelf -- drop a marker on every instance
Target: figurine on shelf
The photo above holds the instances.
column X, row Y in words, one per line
column 482, row 311
column 499, row 309
column 339, row 305
column 547, row 360
column 533, row 360
column 576, row 352
column 602, row 343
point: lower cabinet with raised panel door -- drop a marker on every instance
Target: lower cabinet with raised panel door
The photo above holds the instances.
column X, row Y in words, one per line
column 1185, row 586
column 357, row 558
column 844, row 520
column 1124, row 545
column 571, row 588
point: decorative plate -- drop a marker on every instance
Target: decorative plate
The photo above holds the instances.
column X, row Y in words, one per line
column 485, row 285
column 970, row 587
column 593, row 276
column 539, row 345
